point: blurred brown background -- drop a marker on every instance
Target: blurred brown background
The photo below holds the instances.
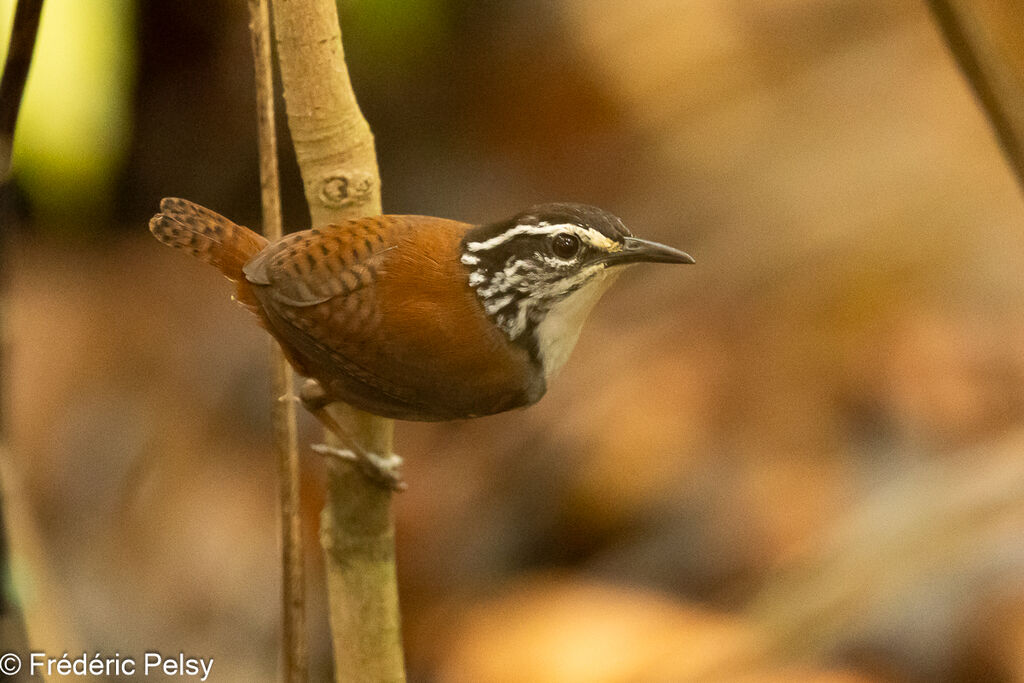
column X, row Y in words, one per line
column 800, row 459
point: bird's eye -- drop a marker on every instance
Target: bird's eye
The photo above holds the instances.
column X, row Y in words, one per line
column 565, row 245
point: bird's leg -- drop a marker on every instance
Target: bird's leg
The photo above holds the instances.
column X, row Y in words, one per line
column 382, row 469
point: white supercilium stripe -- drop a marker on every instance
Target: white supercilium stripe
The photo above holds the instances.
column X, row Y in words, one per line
column 587, row 234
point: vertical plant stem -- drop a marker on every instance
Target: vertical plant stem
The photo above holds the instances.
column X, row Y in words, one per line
column 293, row 631
column 12, row 84
column 21, row 45
column 336, row 155
column 358, row 537
column 986, row 38
column 333, row 142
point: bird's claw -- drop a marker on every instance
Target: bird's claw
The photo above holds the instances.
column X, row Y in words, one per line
column 383, row 470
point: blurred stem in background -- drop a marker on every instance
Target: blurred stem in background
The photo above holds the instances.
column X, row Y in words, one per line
column 25, row 27
column 18, row 58
column 987, row 39
column 76, row 120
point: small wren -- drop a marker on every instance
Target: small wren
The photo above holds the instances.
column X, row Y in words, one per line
column 420, row 318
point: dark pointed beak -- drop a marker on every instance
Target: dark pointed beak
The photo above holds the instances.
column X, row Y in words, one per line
column 636, row 250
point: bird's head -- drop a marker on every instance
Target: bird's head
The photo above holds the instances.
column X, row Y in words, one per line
column 538, row 274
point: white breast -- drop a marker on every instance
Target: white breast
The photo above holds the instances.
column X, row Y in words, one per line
column 557, row 333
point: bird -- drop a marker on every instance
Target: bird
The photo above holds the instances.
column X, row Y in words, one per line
column 416, row 317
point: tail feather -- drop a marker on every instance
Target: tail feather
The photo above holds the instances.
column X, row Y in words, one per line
column 206, row 235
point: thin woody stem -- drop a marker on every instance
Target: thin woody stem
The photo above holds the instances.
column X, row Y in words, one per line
column 15, row 75
column 293, row 631
column 24, row 31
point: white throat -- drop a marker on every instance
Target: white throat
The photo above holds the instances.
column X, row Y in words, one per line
column 557, row 333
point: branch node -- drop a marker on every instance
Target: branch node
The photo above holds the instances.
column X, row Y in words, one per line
column 344, row 188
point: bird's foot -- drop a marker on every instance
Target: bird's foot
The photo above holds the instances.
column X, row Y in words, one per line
column 383, row 470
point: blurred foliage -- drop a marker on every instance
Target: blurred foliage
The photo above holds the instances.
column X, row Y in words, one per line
column 75, row 122
column 394, row 34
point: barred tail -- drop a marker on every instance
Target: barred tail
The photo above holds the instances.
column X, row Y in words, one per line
column 206, row 235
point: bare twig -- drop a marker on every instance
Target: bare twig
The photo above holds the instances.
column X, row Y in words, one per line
column 293, row 632
column 336, row 154
column 25, row 28
column 987, row 39
column 12, row 84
